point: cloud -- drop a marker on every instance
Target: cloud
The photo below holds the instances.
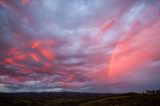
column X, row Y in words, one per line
column 98, row 46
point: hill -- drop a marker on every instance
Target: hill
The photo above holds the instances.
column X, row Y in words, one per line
column 79, row 99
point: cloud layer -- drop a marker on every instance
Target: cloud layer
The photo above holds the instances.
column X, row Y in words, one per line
column 79, row 45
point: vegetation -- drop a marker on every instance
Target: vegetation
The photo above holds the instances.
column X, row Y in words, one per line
column 148, row 98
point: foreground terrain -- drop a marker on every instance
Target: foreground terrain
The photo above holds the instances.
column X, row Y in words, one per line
column 79, row 99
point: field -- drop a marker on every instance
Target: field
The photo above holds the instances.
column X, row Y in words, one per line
column 79, row 99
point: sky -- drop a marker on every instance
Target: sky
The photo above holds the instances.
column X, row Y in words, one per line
column 79, row 45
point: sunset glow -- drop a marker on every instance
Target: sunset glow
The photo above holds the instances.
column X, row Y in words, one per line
column 79, row 45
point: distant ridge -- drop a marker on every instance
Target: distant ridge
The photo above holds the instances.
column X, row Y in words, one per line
column 55, row 94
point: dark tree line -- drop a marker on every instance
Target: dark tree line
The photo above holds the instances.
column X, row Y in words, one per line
column 153, row 91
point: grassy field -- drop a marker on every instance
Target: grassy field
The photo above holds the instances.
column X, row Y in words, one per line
column 80, row 99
